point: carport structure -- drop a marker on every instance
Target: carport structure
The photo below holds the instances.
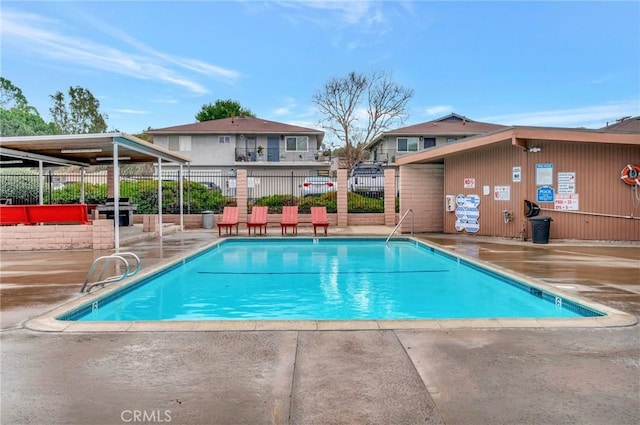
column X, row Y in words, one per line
column 84, row 150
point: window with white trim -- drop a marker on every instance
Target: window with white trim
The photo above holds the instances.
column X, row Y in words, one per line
column 297, row 144
column 179, row 143
column 184, row 143
column 173, row 143
column 224, row 139
column 407, row 144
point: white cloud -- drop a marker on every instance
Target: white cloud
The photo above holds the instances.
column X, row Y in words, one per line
column 131, row 111
column 438, row 110
column 42, row 36
column 589, row 117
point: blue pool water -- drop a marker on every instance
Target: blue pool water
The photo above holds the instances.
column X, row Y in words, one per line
column 322, row 279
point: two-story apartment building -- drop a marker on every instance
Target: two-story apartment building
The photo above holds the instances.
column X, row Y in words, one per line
column 228, row 143
column 415, row 138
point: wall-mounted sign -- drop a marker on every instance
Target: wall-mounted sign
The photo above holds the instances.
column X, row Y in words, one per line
column 472, row 201
column 469, row 183
column 516, row 174
column 467, row 213
column 567, row 182
column 545, row 194
column 501, row 193
column 544, row 174
column 472, row 226
column 566, row 202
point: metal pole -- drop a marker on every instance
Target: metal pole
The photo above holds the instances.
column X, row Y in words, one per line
column 160, row 197
column 116, row 197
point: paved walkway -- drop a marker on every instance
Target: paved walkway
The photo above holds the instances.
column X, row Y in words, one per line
column 455, row 376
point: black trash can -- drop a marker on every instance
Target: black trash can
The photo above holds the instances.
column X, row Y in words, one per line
column 540, row 229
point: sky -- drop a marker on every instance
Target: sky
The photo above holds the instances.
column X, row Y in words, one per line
column 156, row 63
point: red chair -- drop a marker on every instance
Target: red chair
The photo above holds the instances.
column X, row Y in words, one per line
column 319, row 219
column 258, row 219
column 228, row 220
column 289, row 219
column 13, row 214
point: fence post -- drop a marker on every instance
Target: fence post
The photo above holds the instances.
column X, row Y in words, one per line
column 241, row 194
column 389, row 197
column 343, row 190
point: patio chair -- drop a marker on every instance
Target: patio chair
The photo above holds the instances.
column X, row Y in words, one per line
column 228, row 220
column 289, row 219
column 258, row 219
column 319, row 219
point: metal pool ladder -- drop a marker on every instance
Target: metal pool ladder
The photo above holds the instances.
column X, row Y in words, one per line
column 106, row 260
column 399, row 223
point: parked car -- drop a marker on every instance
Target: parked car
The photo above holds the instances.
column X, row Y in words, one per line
column 317, row 185
column 367, row 179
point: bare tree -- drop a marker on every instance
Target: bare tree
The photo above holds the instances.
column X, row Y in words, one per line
column 343, row 101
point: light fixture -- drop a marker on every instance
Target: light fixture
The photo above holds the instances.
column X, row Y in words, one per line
column 110, row 158
column 87, row 150
column 534, row 149
column 11, row 161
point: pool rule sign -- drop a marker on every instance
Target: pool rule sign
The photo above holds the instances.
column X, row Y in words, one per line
column 467, row 213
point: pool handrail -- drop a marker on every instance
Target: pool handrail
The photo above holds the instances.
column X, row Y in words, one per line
column 106, row 259
column 399, row 223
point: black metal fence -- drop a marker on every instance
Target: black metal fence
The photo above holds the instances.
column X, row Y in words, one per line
column 203, row 191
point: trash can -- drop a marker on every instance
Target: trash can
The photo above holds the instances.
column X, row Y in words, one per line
column 540, row 229
column 207, row 219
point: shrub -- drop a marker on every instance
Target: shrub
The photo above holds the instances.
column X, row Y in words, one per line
column 20, row 185
column 362, row 204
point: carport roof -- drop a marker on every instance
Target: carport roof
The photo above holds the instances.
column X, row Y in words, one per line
column 81, row 150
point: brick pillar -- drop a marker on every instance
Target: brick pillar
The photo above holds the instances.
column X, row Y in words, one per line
column 103, row 233
column 241, row 195
column 151, row 223
column 343, row 190
column 389, row 197
column 110, row 182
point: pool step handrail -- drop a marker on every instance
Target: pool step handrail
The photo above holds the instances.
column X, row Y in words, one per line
column 106, row 261
column 399, row 223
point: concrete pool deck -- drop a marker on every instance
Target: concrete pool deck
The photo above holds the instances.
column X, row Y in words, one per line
column 529, row 375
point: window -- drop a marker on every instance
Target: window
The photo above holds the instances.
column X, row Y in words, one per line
column 407, row 144
column 174, row 143
column 179, row 143
column 297, row 144
column 224, row 139
column 429, row 142
column 185, row 143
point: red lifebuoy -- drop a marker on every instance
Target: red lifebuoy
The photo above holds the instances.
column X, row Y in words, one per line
column 631, row 174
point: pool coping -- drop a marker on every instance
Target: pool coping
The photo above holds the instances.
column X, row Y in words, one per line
column 48, row 322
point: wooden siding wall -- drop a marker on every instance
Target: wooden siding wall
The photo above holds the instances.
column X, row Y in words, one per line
column 597, row 180
column 421, row 189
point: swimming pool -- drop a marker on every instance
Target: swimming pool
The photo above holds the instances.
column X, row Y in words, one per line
column 325, row 279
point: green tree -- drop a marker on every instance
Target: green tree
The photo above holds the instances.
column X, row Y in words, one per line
column 17, row 117
column 11, row 97
column 222, row 109
column 81, row 115
column 342, row 101
column 14, row 122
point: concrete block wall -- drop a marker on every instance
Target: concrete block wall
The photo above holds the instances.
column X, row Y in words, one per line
column 99, row 235
column 422, row 190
